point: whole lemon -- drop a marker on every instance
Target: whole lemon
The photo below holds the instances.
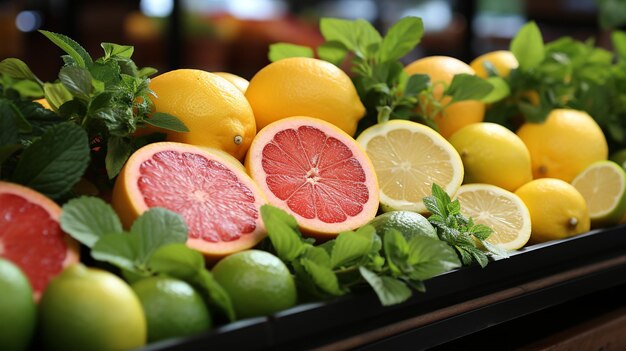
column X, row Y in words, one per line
column 503, row 61
column 557, row 209
column 216, row 112
column 240, row 82
column 441, row 70
column 564, row 144
column 90, row 309
column 492, row 154
column 301, row 86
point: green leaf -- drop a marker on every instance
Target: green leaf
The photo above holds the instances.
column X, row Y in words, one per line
column 333, row 52
column 7, row 150
column 340, row 30
column 78, row 81
column 352, row 245
column 14, row 116
column 618, row 39
column 87, row 219
column 282, row 229
column 118, row 152
column 72, row 48
column 16, row 68
column 8, row 124
column 401, row 38
column 156, row 228
column 28, row 89
column 390, row 291
column 367, row 37
column 468, row 87
column 527, row 46
column 119, row 249
column 481, row 231
column 146, row 72
column 317, row 264
column 416, row 84
column 396, row 251
column 167, row 121
column 500, row 90
column 218, row 297
column 496, row 251
column 56, row 94
column 281, row 51
column 430, row 257
column 56, row 161
column 111, row 49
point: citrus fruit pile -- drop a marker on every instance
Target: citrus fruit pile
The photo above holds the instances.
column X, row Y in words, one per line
column 292, row 137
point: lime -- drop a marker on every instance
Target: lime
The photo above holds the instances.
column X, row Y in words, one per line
column 603, row 185
column 172, row 307
column 258, row 283
column 17, row 308
column 90, row 309
column 408, row 223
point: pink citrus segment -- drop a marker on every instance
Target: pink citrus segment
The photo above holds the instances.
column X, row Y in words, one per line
column 316, row 172
column 218, row 201
column 31, row 236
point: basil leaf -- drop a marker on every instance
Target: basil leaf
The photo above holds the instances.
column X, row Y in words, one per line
column 527, row 46
column 283, row 50
column 156, row 228
column 72, row 48
column 167, row 121
column 401, row 38
column 56, row 161
column 87, row 219
column 390, row 291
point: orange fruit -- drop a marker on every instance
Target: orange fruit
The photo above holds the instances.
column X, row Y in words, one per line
column 216, row 113
column 441, row 70
column 218, row 200
column 566, row 143
column 239, row 82
column 31, row 236
column 503, row 61
column 301, row 86
column 315, row 171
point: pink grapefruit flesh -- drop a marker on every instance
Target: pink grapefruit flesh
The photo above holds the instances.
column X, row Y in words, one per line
column 217, row 199
column 31, row 236
column 316, row 172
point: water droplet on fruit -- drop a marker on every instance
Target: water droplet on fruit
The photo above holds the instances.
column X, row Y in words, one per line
column 8, row 216
column 238, row 139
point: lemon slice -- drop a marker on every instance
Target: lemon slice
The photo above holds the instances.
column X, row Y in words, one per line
column 408, row 158
column 499, row 209
column 603, row 185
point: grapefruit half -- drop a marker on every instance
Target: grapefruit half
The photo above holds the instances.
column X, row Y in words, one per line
column 315, row 171
column 31, row 236
column 217, row 199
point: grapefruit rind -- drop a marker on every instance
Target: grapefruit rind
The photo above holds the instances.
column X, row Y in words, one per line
column 314, row 226
column 129, row 202
column 72, row 254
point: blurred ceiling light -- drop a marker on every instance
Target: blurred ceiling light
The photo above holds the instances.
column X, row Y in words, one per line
column 257, row 9
column 28, row 21
column 436, row 14
column 351, row 9
column 156, row 8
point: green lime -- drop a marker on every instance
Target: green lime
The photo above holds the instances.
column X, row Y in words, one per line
column 172, row 307
column 90, row 309
column 619, row 157
column 406, row 222
column 17, row 308
column 258, row 283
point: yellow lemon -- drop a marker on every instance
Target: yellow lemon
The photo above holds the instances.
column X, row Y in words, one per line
column 215, row 111
column 492, row 154
column 441, row 70
column 503, row 61
column 301, row 86
column 240, row 82
column 564, row 144
column 557, row 209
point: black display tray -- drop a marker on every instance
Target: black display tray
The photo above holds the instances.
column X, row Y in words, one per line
column 456, row 304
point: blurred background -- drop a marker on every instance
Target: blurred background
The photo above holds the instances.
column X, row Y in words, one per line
column 233, row 35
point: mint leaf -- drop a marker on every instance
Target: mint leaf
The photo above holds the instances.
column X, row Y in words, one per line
column 55, row 162
column 396, row 250
column 155, row 228
column 390, row 291
column 9, row 110
column 167, row 121
column 111, row 49
column 118, row 152
column 416, row 83
column 77, row 80
column 87, row 219
column 340, row 31
column 72, row 48
column 333, row 52
column 56, row 94
column 500, row 90
column 119, row 249
column 281, row 51
column 468, row 87
column 218, row 297
column 28, row 89
column 17, row 69
column 282, row 229
column 401, row 38
column 352, row 245
column 618, row 39
column 317, row 264
column 430, row 257
column 496, row 251
column 527, row 46
column 8, row 125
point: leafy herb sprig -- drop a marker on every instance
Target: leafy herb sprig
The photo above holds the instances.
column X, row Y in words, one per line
column 154, row 245
column 383, row 86
column 390, row 265
column 458, row 231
